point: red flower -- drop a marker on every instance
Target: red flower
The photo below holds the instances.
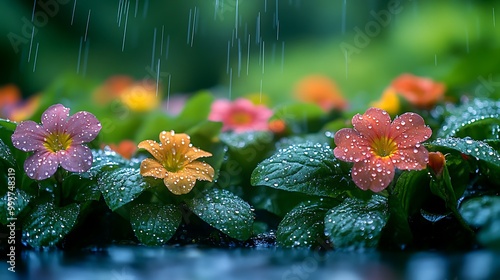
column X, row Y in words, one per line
column 419, row 91
column 377, row 147
column 437, row 162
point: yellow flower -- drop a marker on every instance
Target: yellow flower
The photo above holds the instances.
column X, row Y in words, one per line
column 140, row 97
column 175, row 162
column 388, row 102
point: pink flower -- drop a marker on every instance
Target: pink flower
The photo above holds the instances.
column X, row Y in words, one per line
column 240, row 115
column 377, row 147
column 57, row 142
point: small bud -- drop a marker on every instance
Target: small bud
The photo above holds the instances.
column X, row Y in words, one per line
column 437, row 163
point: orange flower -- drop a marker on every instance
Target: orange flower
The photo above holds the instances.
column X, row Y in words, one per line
column 12, row 106
column 125, row 148
column 112, row 88
column 277, row 126
column 322, row 91
column 377, row 147
column 389, row 102
column 175, row 162
column 419, row 91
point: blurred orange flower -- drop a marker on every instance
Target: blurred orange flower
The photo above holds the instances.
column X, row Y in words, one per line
column 125, row 148
column 138, row 96
column 175, row 161
column 419, row 91
column 322, row 91
column 389, row 102
column 12, row 106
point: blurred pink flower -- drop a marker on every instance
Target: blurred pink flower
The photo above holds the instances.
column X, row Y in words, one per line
column 57, row 142
column 240, row 115
column 377, row 147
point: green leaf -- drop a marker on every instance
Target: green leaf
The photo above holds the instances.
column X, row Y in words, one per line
column 6, row 154
column 8, row 125
column 357, row 223
column 195, row 110
column 121, row 186
column 307, row 168
column 301, row 117
column 479, row 119
column 484, row 212
column 304, row 225
column 480, row 211
column 313, row 138
column 155, row 224
column 47, row 224
column 107, row 158
column 81, row 187
column 412, row 190
column 247, row 149
column 12, row 203
column 224, row 211
column 153, row 124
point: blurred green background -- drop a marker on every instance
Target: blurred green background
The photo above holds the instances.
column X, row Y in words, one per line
column 238, row 47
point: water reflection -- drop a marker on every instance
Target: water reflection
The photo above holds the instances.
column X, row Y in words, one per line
column 133, row 263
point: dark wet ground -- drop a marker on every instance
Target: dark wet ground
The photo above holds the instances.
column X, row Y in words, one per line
column 135, row 262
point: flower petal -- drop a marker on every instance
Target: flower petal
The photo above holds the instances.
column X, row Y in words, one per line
column 83, row 127
column 351, row 146
column 41, row 165
column 200, row 170
column 373, row 174
column 180, row 182
column 28, row 136
column 153, row 148
column 54, row 119
column 175, row 143
column 409, row 129
column 219, row 110
column 411, row 158
column 194, row 153
column 150, row 167
column 77, row 158
column 373, row 123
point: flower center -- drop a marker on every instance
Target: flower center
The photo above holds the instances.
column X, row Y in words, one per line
column 384, row 147
column 241, row 118
column 57, row 142
column 174, row 161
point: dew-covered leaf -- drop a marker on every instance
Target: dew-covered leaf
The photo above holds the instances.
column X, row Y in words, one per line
column 479, row 119
column 412, row 190
column 314, row 138
column 155, row 224
column 477, row 149
column 479, row 211
column 121, row 186
column 357, row 223
column 468, row 146
column 248, row 147
column 46, row 224
column 484, row 213
column 12, row 203
column 81, row 187
column 106, row 158
column 304, row 224
column 8, row 125
column 306, row 168
column 224, row 211
column 6, row 154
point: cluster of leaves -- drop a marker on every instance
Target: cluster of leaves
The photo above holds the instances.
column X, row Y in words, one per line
column 287, row 185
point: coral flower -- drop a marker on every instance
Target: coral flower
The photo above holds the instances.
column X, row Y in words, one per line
column 322, row 91
column 388, row 102
column 13, row 107
column 437, row 162
column 419, row 91
column 377, row 147
column 240, row 115
column 175, row 162
column 57, row 142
